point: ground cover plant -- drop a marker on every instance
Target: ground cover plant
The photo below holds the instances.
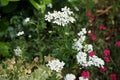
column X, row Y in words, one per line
column 59, row 40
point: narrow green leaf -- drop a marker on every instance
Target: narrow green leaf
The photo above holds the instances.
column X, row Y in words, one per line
column 35, row 4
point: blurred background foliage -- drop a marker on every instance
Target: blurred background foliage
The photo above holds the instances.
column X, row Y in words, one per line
column 42, row 38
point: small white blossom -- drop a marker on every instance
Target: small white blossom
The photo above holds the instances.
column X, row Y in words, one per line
column 88, row 48
column 26, row 20
column 50, row 5
column 81, row 78
column 77, row 46
column 18, row 51
column 49, row 17
column 70, row 77
column 56, row 65
column 89, row 31
column 20, row 33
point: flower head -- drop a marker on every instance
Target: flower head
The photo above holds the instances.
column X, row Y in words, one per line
column 56, row 65
column 88, row 14
column 91, row 54
column 70, row 77
column 107, row 59
column 106, row 52
column 103, row 69
column 118, row 44
column 85, row 74
column 61, row 18
column 18, row 51
column 92, row 36
column 113, row 76
column 20, row 33
column 91, row 19
column 102, row 27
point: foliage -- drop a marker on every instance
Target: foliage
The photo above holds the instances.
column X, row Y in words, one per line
column 25, row 35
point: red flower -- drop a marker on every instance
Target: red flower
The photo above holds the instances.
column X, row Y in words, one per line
column 113, row 76
column 102, row 27
column 91, row 19
column 106, row 52
column 107, row 59
column 85, row 74
column 89, row 14
column 103, row 69
column 118, row 44
column 91, row 54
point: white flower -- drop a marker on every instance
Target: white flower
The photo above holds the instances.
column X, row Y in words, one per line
column 89, row 31
column 61, row 18
column 77, row 46
column 88, row 48
column 67, row 10
column 81, row 58
column 49, row 17
column 20, row 33
column 83, row 49
column 81, row 78
column 56, row 65
column 70, row 77
column 98, row 62
column 50, row 5
column 26, row 20
column 84, row 30
column 18, row 51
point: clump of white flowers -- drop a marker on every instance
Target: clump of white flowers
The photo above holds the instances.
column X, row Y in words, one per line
column 20, row 33
column 70, row 77
column 26, row 20
column 83, row 49
column 18, row 51
column 61, row 18
column 82, row 78
column 55, row 65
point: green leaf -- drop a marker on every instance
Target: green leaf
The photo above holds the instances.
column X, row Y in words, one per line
column 4, row 49
column 14, row 0
column 35, row 4
column 4, row 2
column 4, row 26
column 47, row 1
column 9, row 8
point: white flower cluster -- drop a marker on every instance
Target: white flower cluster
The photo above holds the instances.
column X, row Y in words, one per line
column 83, row 50
column 18, row 51
column 61, row 18
column 70, row 77
column 26, row 20
column 82, row 78
column 56, row 65
column 20, row 33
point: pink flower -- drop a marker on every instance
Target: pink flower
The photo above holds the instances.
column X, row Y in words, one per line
column 103, row 69
column 118, row 44
column 102, row 27
column 92, row 36
column 91, row 19
column 91, row 54
column 113, row 76
column 106, row 52
column 107, row 59
column 85, row 74
column 89, row 14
